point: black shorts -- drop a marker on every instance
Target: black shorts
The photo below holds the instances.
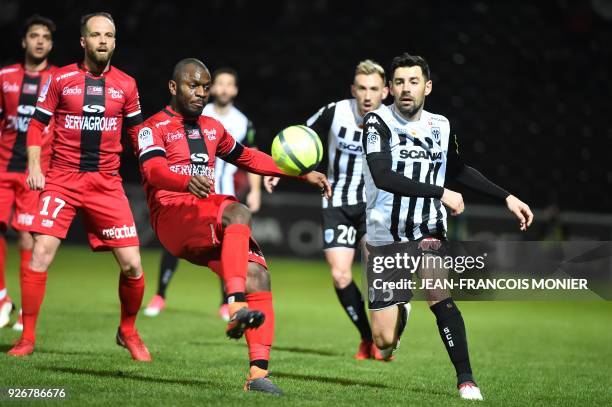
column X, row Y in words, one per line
column 344, row 226
column 377, row 301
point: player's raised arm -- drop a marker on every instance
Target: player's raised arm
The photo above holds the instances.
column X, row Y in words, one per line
column 45, row 108
column 475, row 180
column 261, row 163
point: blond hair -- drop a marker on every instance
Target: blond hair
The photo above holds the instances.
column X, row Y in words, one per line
column 369, row 67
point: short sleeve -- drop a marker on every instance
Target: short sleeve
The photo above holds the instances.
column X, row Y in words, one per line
column 131, row 109
column 149, row 144
column 227, row 143
column 47, row 101
column 321, row 121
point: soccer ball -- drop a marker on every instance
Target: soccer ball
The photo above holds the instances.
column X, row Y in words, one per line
column 297, row 150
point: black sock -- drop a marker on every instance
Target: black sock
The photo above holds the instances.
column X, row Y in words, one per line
column 352, row 302
column 167, row 268
column 452, row 331
column 223, row 293
column 260, row 363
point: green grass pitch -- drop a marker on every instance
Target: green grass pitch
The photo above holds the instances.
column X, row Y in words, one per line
column 523, row 353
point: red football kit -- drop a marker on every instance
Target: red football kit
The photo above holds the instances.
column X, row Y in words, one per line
column 88, row 113
column 18, row 95
column 171, row 150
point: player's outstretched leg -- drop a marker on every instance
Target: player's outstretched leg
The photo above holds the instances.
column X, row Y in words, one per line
column 259, row 341
column 33, row 286
column 234, row 260
column 6, row 305
column 131, row 291
column 167, row 268
column 388, row 325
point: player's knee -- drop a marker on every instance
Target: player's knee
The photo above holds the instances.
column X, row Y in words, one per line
column 258, row 278
column 435, row 296
column 131, row 267
column 42, row 256
column 236, row 213
column 384, row 338
column 342, row 276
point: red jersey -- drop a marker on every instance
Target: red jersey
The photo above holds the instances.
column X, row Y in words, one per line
column 20, row 89
column 88, row 111
column 190, row 148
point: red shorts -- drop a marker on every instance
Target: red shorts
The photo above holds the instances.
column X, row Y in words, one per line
column 190, row 228
column 100, row 196
column 15, row 194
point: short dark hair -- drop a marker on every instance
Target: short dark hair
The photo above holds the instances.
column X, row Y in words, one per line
column 225, row 70
column 37, row 19
column 407, row 60
column 180, row 66
column 87, row 17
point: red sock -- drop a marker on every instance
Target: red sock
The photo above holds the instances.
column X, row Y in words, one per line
column 235, row 257
column 260, row 340
column 131, row 291
column 26, row 256
column 33, row 284
column 2, row 266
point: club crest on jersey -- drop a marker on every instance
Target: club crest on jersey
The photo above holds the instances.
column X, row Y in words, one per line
column 193, row 134
column 329, row 235
column 30, row 88
column 95, row 90
column 435, row 132
column 210, row 134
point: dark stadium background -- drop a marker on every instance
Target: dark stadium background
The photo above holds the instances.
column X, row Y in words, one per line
column 525, row 84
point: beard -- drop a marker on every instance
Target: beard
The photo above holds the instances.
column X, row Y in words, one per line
column 99, row 60
column 410, row 111
column 37, row 60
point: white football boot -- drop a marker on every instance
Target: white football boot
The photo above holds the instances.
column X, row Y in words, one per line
column 6, row 308
column 469, row 391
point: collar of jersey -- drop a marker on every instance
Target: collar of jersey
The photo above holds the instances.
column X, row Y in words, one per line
column 81, row 67
column 32, row 73
column 400, row 119
column 173, row 113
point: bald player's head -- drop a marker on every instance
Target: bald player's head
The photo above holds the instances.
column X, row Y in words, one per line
column 181, row 66
column 189, row 87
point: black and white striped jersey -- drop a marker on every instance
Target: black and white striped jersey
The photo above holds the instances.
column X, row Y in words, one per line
column 341, row 124
column 418, row 150
column 241, row 128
